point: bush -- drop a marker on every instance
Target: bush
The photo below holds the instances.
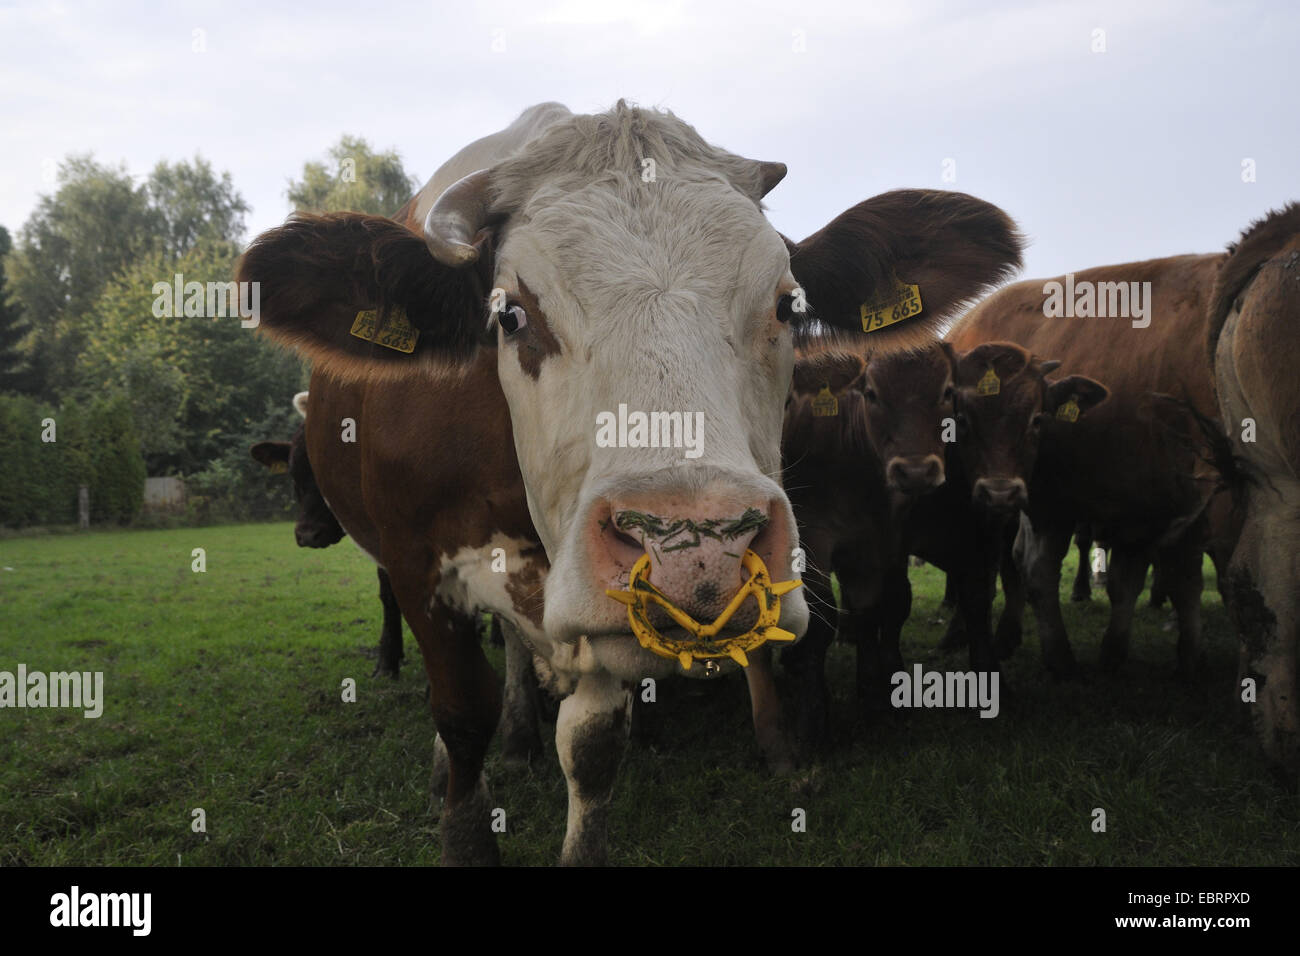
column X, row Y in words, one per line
column 97, row 447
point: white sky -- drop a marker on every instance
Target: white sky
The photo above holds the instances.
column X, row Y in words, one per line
column 1101, row 157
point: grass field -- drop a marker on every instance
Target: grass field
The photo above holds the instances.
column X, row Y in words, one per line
column 223, row 693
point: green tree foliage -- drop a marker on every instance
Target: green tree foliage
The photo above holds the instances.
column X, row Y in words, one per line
column 194, row 384
column 96, row 225
column 355, row 179
column 12, row 328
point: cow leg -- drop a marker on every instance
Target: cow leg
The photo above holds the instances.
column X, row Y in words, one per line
column 879, row 656
column 390, row 638
column 805, row 662
column 1039, row 555
column 1159, row 584
column 521, row 738
column 590, row 736
column 466, row 703
column 1010, row 632
column 1082, row 590
column 1184, row 582
column 949, row 593
column 1263, row 583
column 1124, row 580
column 769, row 718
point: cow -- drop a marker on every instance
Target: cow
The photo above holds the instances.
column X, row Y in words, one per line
column 1136, row 469
column 581, row 267
column 892, row 455
column 317, row 527
column 1253, row 336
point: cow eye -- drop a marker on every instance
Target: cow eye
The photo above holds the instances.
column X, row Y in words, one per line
column 512, row 319
column 1036, row 422
column 870, row 393
column 785, row 308
column 949, row 395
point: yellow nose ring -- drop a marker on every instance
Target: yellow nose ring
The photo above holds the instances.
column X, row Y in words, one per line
column 701, row 645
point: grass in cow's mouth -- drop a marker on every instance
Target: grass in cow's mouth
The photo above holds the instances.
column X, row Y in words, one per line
column 222, row 691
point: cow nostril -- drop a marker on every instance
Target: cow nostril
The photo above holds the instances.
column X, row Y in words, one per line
column 706, row 593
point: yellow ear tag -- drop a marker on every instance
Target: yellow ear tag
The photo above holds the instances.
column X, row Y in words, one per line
column 703, row 641
column 900, row 302
column 990, row 384
column 398, row 333
column 1069, row 412
column 279, row 468
column 825, row 404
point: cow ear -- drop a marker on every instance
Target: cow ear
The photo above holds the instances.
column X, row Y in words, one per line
column 839, row 370
column 950, row 246
column 1075, row 391
column 1005, row 360
column 354, row 292
column 271, row 453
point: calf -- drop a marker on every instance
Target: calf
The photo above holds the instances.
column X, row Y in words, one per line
column 1254, row 316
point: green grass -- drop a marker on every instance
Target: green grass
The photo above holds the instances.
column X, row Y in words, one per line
column 223, row 692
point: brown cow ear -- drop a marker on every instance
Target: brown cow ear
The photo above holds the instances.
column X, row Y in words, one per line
column 271, row 453
column 1005, row 359
column 357, row 292
column 951, row 246
column 839, row 370
column 1074, row 391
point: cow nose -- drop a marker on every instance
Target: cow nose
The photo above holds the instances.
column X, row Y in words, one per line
column 695, row 548
column 1001, row 495
column 915, row 474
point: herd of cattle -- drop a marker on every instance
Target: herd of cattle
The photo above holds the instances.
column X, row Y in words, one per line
column 571, row 265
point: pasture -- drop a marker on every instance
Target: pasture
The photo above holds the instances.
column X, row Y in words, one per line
column 223, row 692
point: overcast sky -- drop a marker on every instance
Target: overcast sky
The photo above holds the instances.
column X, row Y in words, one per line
column 1102, row 157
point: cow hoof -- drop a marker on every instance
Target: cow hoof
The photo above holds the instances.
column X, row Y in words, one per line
column 1063, row 668
column 1079, row 595
column 467, row 837
column 387, row 669
column 1007, row 641
column 1112, row 658
column 953, row 640
column 520, row 750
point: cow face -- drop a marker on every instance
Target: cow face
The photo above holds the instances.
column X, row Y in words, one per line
column 644, row 313
column 316, row 526
column 1004, row 406
column 908, row 397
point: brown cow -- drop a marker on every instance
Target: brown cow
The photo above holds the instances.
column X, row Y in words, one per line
column 627, row 265
column 317, row 527
column 907, row 454
column 1254, row 342
column 1132, row 469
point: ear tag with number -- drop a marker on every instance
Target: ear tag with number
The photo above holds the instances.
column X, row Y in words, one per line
column 1069, row 412
column 825, row 404
column 990, row 384
column 398, row 333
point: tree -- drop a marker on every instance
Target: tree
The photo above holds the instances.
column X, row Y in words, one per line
column 356, row 179
column 12, row 328
column 92, row 229
column 192, row 204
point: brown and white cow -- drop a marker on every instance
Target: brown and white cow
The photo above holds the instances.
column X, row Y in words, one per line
column 1132, row 468
column 627, row 263
column 1254, row 342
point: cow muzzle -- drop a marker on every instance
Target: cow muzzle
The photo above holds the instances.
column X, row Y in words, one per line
column 706, row 641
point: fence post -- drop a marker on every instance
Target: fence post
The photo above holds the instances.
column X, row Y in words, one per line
column 83, row 507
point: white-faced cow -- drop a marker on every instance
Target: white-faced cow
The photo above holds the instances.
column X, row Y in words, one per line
column 1254, row 340
column 628, row 269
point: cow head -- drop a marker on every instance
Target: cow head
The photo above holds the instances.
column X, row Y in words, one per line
column 1004, row 407
column 316, row 527
column 628, row 270
column 908, row 396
